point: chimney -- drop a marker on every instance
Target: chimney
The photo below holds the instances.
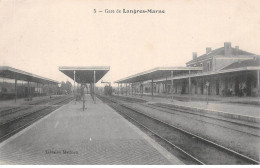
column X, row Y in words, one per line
column 208, row 50
column 236, row 50
column 227, row 47
column 194, row 55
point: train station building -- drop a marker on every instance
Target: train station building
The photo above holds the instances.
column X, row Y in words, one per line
column 225, row 71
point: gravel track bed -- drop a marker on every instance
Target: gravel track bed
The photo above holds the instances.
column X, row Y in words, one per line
column 211, row 129
column 203, row 151
column 240, row 127
column 238, row 141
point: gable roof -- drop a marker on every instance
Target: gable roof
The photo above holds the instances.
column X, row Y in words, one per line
column 245, row 63
column 220, row 51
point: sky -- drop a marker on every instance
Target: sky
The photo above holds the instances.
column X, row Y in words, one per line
column 38, row 36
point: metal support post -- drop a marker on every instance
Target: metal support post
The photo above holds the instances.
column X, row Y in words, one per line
column 74, row 72
column 135, row 89
column 132, row 91
column 166, row 87
column 49, row 90
column 189, row 87
column 37, row 89
column 172, row 84
column 94, row 87
column 15, row 86
column 57, row 89
column 152, row 88
column 42, row 88
column 83, row 95
column 74, row 93
column 29, row 92
column 23, row 90
column 142, row 89
column 258, row 83
column 126, row 89
column 118, row 88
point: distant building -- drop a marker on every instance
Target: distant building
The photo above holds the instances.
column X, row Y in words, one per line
column 228, row 71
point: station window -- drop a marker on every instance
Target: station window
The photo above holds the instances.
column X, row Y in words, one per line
column 208, row 66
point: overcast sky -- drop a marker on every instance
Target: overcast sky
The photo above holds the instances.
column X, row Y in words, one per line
column 38, row 36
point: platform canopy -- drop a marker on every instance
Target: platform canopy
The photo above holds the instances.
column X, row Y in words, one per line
column 157, row 73
column 85, row 74
column 12, row 73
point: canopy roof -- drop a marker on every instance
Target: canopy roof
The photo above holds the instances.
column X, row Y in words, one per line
column 12, row 73
column 157, row 73
column 85, row 74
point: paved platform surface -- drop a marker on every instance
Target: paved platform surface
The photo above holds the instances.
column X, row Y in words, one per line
column 223, row 99
column 69, row 135
column 240, row 109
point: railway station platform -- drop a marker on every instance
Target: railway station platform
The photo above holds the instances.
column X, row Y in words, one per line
column 247, row 110
column 213, row 98
column 69, row 135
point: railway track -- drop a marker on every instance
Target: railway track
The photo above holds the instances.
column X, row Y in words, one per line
column 9, row 110
column 213, row 119
column 15, row 124
column 251, row 129
column 193, row 148
column 13, row 110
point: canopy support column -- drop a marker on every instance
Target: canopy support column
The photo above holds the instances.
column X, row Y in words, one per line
column 152, row 88
column 126, row 89
column 142, row 86
column 74, row 74
column 172, row 84
column 24, row 94
column 165, row 87
column 140, row 89
column 15, row 87
column 258, row 84
column 117, row 88
column 135, row 89
column 37, row 89
column 120, row 88
column 189, row 86
column 29, row 90
column 132, row 86
column 94, row 87
column 49, row 90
